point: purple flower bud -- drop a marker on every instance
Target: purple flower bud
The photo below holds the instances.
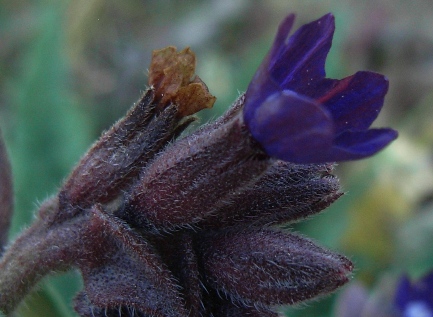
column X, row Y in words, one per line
column 119, row 155
column 121, row 269
column 300, row 116
column 225, row 308
column 264, row 268
column 187, row 182
column 179, row 254
column 157, row 118
column 284, row 193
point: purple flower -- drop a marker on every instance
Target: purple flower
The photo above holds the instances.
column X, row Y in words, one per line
column 415, row 299
column 300, row 116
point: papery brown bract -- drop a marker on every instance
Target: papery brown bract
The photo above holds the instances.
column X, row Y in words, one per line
column 266, row 267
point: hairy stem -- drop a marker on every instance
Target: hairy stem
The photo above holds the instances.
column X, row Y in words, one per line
column 40, row 249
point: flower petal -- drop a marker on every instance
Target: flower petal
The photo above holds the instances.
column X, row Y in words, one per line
column 351, row 302
column 282, row 34
column 415, row 293
column 404, row 292
column 353, row 145
column 300, row 116
column 291, row 127
column 262, row 74
column 355, row 101
column 295, row 65
column 302, row 59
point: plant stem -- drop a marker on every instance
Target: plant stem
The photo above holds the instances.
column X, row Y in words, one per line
column 39, row 250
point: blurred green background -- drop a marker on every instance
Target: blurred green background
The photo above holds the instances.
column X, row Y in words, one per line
column 69, row 69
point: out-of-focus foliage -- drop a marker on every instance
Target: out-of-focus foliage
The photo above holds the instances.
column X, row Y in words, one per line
column 69, row 69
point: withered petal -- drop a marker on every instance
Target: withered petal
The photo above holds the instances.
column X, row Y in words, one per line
column 169, row 62
column 172, row 76
column 193, row 98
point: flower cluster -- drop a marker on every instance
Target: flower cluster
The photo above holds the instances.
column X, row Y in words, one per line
column 192, row 227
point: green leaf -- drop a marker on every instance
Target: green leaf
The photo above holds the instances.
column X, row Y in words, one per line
column 52, row 132
column 47, row 301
